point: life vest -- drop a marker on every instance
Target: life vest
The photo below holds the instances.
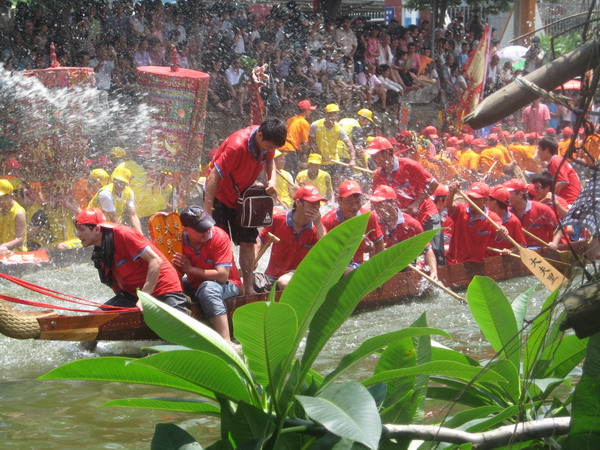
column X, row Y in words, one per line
column 119, row 204
column 8, row 226
column 348, row 124
column 327, row 140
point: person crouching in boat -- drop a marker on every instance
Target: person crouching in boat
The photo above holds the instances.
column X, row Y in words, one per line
column 298, row 231
column 350, row 199
column 127, row 261
column 398, row 226
column 13, row 224
column 211, row 276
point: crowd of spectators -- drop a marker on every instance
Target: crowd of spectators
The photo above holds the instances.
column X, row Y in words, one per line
column 350, row 60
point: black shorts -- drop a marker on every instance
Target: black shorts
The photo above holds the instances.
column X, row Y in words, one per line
column 225, row 218
column 177, row 300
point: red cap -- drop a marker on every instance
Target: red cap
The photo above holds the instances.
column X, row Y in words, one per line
column 519, row 135
column 11, row 163
column 501, row 194
column 429, row 130
column 550, row 130
column 348, row 188
column 493, row 136
column 441, row 191
column 531, row 191
column 453, row 140
column 467, row 138
column 478, row 143
column 90, row 216
column 378, row 144
column 532, row 135
column 506, row 134
column 309, row 193
column 495, row 130
column 383, row 193
column 515, row 184
column 305, row 104
column 478, row 190
column 567, row 131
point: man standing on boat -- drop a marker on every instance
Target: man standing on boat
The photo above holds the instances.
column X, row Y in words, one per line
column 127, row 261
column 298, row 231
column 209, row 266
column 236, row 165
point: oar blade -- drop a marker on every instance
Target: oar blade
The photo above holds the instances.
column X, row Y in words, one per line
column 545, row 272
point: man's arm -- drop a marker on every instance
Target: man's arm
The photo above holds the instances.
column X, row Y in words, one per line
column 413, row 208
column 220, row 274
column 154, row 264
column 133, row 218
column 431, row 262
column 212, row 183
column 271, row 174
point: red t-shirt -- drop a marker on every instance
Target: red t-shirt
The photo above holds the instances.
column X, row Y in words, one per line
column 539, row 220
column 287, row 254
column 238, row 158
column 373, row 233
column 409, row 179
column 213, row 253
column 515, row 231
column 129, row 270
column 406, row 227
column 566, row 175
column 470, row 237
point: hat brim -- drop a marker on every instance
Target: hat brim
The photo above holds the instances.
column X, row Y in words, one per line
column 378, row 199
column 204, row 225
column 119, row 178
column 373, row 151
column 314, row 198
column 353, row 192
column 474, row 194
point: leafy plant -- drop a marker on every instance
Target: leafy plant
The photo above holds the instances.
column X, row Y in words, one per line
column 272, row 398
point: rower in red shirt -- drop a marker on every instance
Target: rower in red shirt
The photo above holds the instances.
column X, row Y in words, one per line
column 567, row 180
column 298, row 231
column 349, row 200
column 542, row 183
column 413, row 185
column 472, row 232
column 498, row 203
column 396, row 225
column 535, row 217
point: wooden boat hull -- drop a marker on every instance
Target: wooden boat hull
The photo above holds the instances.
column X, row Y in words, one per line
column 49, row 325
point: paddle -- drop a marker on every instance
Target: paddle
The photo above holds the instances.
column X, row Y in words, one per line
column 436, row 283
column 489, row 170
column 263, row 249
column 166, row 233
column 36, row 256
column 285, row 179
column 536, row 264
column 517, row 169
column 554, row 261
column 362, row 169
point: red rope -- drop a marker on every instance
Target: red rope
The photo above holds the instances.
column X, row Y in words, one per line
column 21, row 301
column 60, row 296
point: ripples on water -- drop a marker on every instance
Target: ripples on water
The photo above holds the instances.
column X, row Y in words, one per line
column 65, row 414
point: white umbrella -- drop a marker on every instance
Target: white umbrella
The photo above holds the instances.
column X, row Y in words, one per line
column 512, row 52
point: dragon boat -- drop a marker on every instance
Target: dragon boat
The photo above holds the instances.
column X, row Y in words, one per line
column 48, row 324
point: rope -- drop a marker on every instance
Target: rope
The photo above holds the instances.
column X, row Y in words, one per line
column 59, row 296
column 21, row 301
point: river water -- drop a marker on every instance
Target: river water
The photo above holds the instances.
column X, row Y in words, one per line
column 65, row 414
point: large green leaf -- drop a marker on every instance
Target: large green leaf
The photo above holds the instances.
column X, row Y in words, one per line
column 252, row 424
column 536, row 338
column 463, row 417
column 520, row 305
column 183, row 405
column 585, row 416
column 169, row 436
column 512, row 388
column 375, row 343
column 494, row 315
column 347, row 410
column 476, row 375
column 345, row 295
column 267, row 332
column 570, row 352
column 467, row 395
column 440, row 352
column 112, row 368
column 423, row 348
column 178, row 328
column 203, row 369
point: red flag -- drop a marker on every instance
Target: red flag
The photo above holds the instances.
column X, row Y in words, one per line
column 475, row 74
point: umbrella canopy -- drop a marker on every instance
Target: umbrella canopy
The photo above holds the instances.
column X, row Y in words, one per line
column 512, row 52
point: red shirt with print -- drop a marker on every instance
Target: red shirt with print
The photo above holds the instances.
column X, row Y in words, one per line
column 515, row 231
column 215, row 252
column 566, row 175
column 409, row 179
column 292, row 247
column 238, row 160
column 373, row 233
column 471, row 236
column 539, row 220
column 406, row 227
column 129, row 270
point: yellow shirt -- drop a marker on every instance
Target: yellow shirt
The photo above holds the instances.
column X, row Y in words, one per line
column 297, row 133
column 283, row 188
column 62, row 227
column 322, row 182
column 468, row 162
column 327, row 139
column 488, row 157
column 8, row 226
column 348, row 124
column 524, row 156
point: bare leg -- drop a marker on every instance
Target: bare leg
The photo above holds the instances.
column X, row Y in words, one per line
column 247, row 266
column 221, row 326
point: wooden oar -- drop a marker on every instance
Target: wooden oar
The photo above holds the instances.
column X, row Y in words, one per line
column 555, row 261
column 362, row 169
column 285, row 179
column 544, row 243
column 545, row 272
column 489, row 170
column 263, row 249
column 436, row 283
column 517, row 169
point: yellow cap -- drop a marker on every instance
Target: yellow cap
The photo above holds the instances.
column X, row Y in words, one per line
column 100, row 175
column 122, row 174
column 367, row 113
column 315, row 158
column 6, row 188
column 370, row 139
column 332, row 107
column 278, row 154
column 117, row 152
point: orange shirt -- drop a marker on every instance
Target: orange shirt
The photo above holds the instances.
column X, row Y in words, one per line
column 524, row 155
column 81, row 193
column 469, row 161
column 297, row 133
column 488, row 157
column 592, row 146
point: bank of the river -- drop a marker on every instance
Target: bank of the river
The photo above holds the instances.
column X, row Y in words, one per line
column 65, row 414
